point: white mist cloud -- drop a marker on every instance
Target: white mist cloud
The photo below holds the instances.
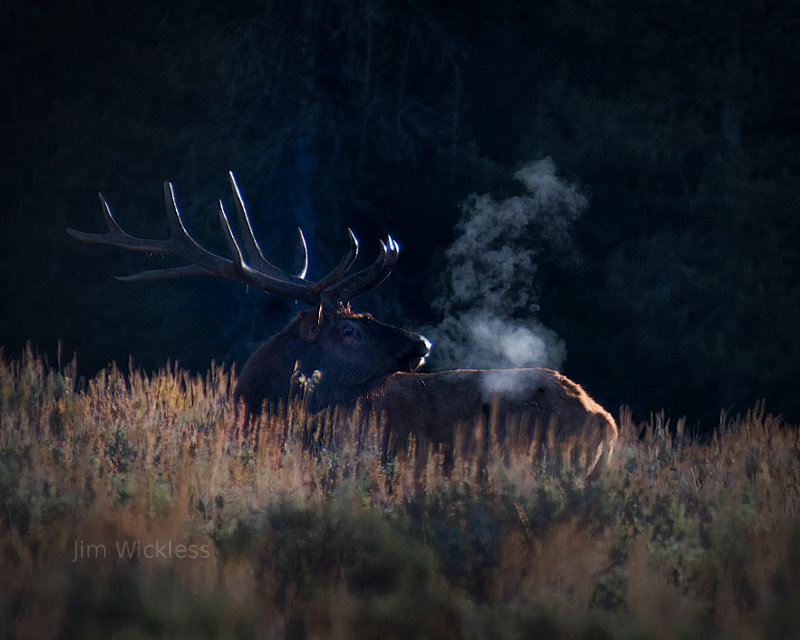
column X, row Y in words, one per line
column 489, row 303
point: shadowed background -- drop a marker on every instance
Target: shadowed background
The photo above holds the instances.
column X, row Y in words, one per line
column 619, row 185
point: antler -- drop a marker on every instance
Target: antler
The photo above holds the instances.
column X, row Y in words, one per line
column 250, row 267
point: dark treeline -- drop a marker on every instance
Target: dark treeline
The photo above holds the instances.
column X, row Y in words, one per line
column 678, row 120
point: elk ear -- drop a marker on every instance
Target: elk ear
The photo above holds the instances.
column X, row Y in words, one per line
column 310, row 324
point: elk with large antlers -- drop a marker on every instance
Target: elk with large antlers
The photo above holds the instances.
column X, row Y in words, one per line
column 348, row 354
column 352, row 358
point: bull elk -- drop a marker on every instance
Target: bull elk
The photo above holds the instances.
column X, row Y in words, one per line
column 349, row 354
column 354, row 359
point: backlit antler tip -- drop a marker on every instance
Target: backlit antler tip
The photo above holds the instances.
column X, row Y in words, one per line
column 234, row 186
column 304, row 248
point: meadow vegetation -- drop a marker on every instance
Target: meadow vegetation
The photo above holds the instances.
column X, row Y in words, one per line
column 131, row 507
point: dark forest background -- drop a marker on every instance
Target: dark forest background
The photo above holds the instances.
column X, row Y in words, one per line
column 678, row 119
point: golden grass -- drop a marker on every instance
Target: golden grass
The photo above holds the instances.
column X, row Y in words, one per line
column 265, row 536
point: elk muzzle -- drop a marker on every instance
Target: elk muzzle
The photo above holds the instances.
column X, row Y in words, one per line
column 413, row 355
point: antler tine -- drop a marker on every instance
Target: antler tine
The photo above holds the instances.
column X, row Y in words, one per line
column 264, row 267
column 116, row 236
column 254, row 254
column 304, row 268
column 107, row 215
column 230, row 239
column 340, row 269
column 165, row 274
column 286, row 285
column 179, row 244
column 260, row 263
column 182, row 245
column 369, row 277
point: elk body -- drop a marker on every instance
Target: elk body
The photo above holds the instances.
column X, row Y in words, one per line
column 536, row 406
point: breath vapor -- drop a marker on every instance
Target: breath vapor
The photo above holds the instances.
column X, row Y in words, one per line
column 489, row 302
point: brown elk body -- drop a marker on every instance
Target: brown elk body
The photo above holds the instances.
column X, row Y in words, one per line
column 536, row 405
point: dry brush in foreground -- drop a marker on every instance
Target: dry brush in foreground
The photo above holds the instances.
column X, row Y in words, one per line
column 125, row 509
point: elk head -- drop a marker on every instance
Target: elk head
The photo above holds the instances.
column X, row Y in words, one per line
column 332, row 360
column 348, row 354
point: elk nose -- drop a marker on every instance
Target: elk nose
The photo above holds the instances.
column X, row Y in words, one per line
column 424, row 346
column 417, row 352
column 413, row 352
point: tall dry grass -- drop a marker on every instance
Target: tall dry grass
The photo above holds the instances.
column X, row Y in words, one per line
column 132, row 507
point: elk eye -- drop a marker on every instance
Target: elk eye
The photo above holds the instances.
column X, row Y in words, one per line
column 349, row 330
